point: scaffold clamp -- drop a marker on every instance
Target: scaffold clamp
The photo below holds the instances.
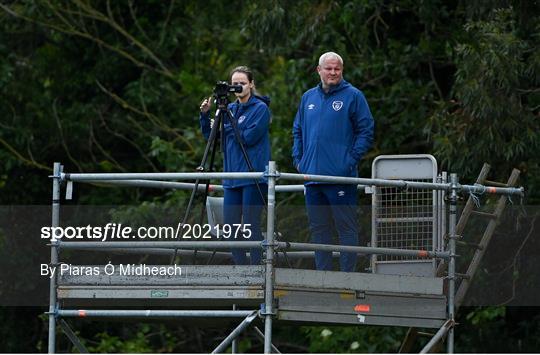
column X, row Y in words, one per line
column 263, row 312
column 267, row 174
column 69, row 190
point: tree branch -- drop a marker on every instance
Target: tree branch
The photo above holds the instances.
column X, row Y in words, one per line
column 167, row 19
column 151, row 117
column 55, row 114
column 74, row 32
column 110, row 20
column 103, row 151
column 132, row 143
column 135, row 21
column 22, row 158
column 514, row 263
column 431, row 71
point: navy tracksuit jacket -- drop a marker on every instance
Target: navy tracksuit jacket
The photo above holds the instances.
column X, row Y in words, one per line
column 332, row 131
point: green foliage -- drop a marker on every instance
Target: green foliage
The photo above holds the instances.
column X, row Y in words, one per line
column 482, row 315
column 353, row 339
column 498, row 329
column 108, row 86
column 495, row 104
column 137, row 343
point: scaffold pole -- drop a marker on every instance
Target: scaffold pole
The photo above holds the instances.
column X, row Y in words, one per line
column 55, row 222
column 269, row 275
column 452, row 263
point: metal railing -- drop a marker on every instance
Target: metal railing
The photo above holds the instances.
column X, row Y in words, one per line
column 162, row 180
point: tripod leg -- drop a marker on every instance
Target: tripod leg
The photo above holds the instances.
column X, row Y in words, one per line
column 210, row 144
column 212, row 138
column 207, row 189
column 203, row 205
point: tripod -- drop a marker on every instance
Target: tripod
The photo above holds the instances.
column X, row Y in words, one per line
column 217, row 132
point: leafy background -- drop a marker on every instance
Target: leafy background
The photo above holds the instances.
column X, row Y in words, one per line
column 114, row 86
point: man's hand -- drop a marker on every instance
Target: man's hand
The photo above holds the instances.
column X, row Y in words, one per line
column 206, row 104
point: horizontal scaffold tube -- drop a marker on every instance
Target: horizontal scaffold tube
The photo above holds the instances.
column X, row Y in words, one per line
column 282, row 246
column 403, row 184
column 187, row 185
column 482, row 189
column 203, row 254
column 81, row 313
column 156, row 184
column 363, row 250
column 159, row 176
column 161, row 245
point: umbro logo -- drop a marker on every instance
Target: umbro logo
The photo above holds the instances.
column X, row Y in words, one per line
column 341, row 193
column 310, row 106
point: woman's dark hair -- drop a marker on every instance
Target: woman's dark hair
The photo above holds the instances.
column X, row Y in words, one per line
column 245, row 70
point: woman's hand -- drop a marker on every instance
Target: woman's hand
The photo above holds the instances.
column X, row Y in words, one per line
column 206, row 104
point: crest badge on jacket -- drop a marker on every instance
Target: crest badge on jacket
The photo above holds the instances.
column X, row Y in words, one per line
column 337, row 105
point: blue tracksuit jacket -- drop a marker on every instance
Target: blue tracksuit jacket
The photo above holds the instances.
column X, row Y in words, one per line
column 332, row 131
column 253, row 119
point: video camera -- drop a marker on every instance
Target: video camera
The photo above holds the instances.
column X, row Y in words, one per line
column 222, row 89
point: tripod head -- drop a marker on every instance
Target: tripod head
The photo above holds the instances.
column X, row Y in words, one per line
column 222, row 91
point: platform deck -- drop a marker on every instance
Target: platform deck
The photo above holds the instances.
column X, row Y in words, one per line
column 300, row 295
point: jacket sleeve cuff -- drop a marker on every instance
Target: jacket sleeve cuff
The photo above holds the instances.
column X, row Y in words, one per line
column 204, row 115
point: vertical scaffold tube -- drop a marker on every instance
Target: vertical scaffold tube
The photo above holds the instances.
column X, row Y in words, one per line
column 269, row 276
column 234, row 344
column 452, row 221
column 55, row 221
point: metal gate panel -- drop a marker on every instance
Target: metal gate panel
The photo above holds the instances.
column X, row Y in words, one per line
column 405, row 218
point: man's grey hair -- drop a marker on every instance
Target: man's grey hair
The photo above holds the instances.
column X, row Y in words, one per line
column 330, row 55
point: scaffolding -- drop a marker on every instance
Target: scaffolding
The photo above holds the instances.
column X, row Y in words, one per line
column 265, row 291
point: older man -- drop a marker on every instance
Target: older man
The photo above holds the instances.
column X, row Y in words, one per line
column 333, row 129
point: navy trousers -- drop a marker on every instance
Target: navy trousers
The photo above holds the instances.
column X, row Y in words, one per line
column 328, row 206
column 244, row 205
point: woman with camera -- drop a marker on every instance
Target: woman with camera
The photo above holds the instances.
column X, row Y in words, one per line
column 243, row 199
